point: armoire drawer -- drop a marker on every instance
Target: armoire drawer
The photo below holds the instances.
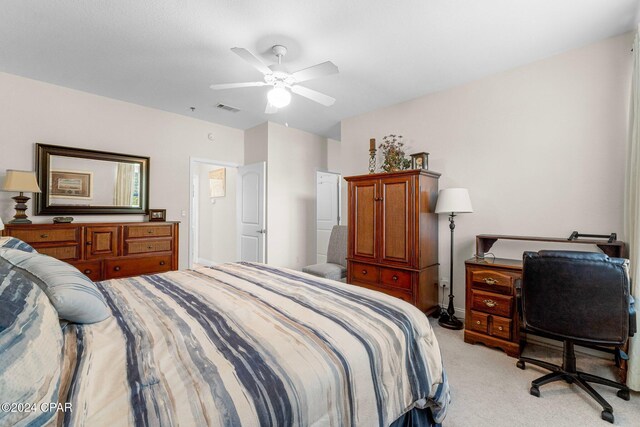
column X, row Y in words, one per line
column 400, row 279
column 365, row 272
column 405, row 296
column 124, row 267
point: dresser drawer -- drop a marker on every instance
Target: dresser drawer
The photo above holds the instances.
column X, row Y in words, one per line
column 492, row 280
column 500, row 327
column 139, row 231
column 393, row 292
column 365, row 272
column 43, row 235
column 135, row 266
column 396, row 278
column 93, row 270
column 65, row 253
column 488, row 302
column 479, row 322
column 147, row 246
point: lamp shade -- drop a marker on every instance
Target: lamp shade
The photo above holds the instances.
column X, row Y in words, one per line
column 454, row 200
column 21, row 181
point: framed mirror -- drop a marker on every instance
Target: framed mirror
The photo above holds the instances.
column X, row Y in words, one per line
column 76, row 181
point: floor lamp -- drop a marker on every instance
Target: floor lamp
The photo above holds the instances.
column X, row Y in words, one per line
column 452, row 201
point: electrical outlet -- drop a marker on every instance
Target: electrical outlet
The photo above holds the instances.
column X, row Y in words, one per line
column 444, row 282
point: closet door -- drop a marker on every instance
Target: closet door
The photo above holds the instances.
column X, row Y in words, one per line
column 363, row 215
column 396, row 227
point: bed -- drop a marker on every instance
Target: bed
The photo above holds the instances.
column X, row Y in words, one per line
column 250, row 345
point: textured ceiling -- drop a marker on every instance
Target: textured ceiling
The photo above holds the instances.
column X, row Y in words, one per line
column 165, row 54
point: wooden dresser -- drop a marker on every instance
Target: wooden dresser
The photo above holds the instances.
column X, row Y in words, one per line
column 491, row 312
column 393, row 235
column 105, row 250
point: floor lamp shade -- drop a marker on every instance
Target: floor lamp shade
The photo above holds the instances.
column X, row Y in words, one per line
column 452, row 201
column 20, row 182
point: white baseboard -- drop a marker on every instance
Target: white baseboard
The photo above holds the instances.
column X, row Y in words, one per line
column 206, row 262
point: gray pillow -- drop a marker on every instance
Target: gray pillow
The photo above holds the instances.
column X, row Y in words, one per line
column 30, row 349
column 74, row 296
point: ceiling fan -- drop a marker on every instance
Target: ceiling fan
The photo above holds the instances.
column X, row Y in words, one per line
column 282, row 81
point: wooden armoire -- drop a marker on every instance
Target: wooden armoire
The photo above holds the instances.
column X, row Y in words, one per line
column 393, row 235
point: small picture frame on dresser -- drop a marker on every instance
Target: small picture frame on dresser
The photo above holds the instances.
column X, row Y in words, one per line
column 159, row 215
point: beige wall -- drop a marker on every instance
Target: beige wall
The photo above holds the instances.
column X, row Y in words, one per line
column 32, row 111
column 541, row 148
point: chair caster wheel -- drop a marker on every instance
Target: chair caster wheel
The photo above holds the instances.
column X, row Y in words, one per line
column 534, row 391
column 607, row 416
column 623, row 394
column 520, row 364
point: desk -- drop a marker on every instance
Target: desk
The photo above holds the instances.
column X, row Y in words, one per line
column 491, row 314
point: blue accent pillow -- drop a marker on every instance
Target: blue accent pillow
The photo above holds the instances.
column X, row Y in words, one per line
column 73, row 295
column 15, row 243
column 31, row 345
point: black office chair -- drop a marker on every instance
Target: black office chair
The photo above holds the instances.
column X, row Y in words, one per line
column 580, row 298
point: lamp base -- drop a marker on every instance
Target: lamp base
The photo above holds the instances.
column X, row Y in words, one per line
column 450, row 321
column 21, row 206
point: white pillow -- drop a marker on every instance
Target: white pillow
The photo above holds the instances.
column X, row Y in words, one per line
column 74, row 296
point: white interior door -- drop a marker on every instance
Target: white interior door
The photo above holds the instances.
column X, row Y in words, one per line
column 251, row 189
column 327, row 211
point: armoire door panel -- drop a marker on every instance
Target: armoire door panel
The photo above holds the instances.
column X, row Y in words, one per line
column 365, row 238
column 396, row 219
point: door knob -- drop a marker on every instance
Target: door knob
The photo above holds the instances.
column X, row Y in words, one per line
column 263, row 231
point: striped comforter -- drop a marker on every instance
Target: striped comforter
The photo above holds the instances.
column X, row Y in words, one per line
column 250, row 345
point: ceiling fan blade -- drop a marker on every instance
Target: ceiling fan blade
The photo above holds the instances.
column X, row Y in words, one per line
column 319, row 70
column 271, row 109
column 313, row 95
column 251, row 59
column 236, row 85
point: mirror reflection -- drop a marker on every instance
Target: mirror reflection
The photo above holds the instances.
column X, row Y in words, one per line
column 75, row 181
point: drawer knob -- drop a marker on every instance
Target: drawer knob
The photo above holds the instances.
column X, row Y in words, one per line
column 395, row 277
column 490, row 303
column 490, row 281
column 87, row 271
column 500, row 328
column 88, row 243
column 44, row 236
column 150, row 231
column 478, row 322
column 116, row 268
column 161, row 262
column 149, row 247
column 364, row 272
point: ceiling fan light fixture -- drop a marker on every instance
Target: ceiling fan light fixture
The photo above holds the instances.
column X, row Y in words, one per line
column 279, row 97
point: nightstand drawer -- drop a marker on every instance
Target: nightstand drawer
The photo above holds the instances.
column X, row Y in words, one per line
column 365, row 272
column 492, row 303
column 492, row 280
column 479, row 322
column 395, row 278
column 500, row 327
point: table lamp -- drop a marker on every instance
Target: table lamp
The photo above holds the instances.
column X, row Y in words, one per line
column 21, row 182
column 452, row 201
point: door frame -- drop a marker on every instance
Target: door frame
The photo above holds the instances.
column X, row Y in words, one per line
column 194, row 200
column 315, row 212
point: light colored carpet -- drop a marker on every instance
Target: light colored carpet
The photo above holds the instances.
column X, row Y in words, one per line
column 487, row 389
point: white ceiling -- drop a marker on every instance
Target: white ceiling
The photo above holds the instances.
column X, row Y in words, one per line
column 165, row 53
